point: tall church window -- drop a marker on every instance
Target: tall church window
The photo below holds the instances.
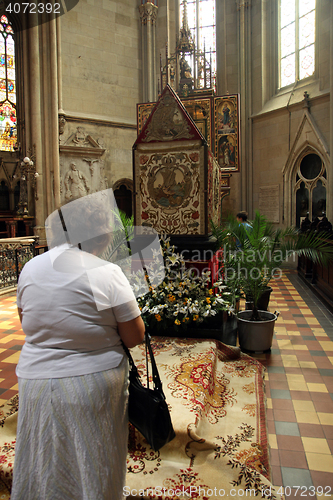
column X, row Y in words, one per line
column 8, row 131
column 202, row 23
column 297, row 40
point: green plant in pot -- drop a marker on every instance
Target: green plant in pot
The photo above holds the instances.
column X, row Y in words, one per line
column 251, row 257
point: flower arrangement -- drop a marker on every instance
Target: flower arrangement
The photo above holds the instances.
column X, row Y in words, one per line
column 183, row 299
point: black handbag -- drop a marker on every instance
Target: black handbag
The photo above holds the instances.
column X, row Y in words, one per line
column 147, row 408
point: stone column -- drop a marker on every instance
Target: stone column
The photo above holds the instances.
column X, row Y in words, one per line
column 58, row 28
column 264, row 52
column 46, row 112
column 42, row 123
column 245, row 77
column 54, row 117
column 221, row 48
column 148, row 14
column 36, row 129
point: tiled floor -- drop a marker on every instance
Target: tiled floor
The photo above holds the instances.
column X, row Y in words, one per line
column 299, row 386
column 299, row 390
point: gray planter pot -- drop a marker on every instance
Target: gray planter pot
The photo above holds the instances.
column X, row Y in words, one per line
column 255, row 336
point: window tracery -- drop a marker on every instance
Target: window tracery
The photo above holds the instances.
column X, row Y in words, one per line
column 310, row 188
column 297, row 40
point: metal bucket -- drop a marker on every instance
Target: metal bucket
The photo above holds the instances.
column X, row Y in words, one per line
column 255, row 336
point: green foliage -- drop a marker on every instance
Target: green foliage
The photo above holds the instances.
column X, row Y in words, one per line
column 253, row 254
column 118, row 248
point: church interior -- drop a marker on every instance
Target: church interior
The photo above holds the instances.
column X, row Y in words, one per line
column 84, row 98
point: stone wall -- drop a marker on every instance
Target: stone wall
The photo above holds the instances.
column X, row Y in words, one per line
column 99, row 84
column 101, row 75
column 271, row 117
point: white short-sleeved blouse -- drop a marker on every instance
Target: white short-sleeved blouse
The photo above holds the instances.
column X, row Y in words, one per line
column 71, row 303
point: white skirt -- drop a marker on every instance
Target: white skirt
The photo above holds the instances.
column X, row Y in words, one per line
column 72, row 437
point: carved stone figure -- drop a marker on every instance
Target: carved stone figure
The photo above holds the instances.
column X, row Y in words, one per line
column 91, row 162
column 76, row 183
column 80, row 137
column 62, row 123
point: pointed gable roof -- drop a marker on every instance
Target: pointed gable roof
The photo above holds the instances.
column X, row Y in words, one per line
column 169, row 121
column 307, row 136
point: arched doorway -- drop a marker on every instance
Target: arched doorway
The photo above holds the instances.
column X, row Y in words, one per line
column 123, row 192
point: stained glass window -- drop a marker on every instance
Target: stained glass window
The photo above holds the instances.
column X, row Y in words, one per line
column 8, row 133
column 202, row 23
column 297, row 40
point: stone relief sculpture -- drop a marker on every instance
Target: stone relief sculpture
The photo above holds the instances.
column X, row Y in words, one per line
column 76, row 183
column 80, row 137
column 82, row 167
column 62, row 123
column 81, row 140
column 91, row 162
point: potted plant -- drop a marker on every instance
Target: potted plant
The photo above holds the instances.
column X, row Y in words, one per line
column 251, row 257
column 185, row 304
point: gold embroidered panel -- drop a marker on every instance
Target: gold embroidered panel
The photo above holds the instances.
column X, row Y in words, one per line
column 214, row 190
column 198, row 109
column 168, row 121
column 169, row 187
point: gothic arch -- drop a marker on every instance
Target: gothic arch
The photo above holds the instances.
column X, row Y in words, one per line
column 123, row 192
column 125, row 181
column 308, row 141
column 309, row 185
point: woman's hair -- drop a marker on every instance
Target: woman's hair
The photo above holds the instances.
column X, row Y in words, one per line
column 83, row 221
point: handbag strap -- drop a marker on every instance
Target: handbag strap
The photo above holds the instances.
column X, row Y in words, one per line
column 156, row 376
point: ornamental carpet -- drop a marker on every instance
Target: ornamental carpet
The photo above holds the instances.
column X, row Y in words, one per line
column 217, row 403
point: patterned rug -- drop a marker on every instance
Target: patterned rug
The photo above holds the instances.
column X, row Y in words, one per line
column 216, row 398
column 217, row 403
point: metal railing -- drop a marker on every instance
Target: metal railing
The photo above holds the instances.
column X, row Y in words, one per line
column 14, row 253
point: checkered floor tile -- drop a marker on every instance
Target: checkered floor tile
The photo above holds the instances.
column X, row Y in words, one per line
column 299, row 385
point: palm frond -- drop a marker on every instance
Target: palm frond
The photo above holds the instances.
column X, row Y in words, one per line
column 255, row 252
column 123, row 233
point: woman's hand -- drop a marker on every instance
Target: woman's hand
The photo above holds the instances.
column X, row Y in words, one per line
column 132, row 332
